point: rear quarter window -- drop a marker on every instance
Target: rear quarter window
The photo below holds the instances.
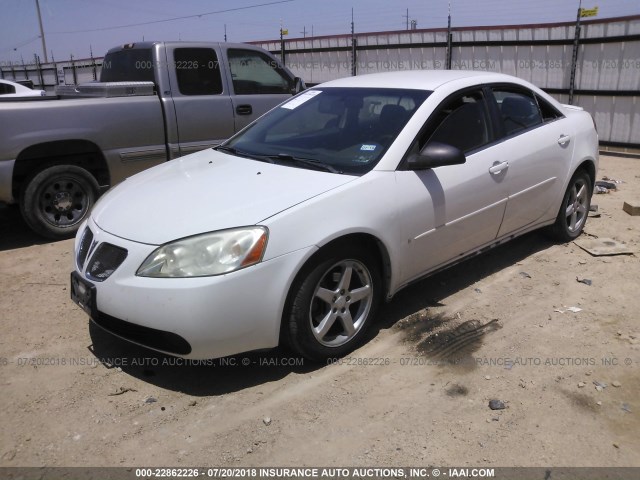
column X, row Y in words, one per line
column 133, row 65
column 548, row 111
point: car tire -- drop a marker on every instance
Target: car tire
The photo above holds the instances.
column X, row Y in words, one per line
column 574, row 209
column 56, row 200
column 332, row 303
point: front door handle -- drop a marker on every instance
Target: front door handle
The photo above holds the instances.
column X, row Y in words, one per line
column 563, row 140
column 499, row 167
column 244, row 110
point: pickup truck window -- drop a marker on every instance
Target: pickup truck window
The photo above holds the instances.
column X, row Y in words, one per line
column 133, row 65
column 255, row 73
column 198, row 71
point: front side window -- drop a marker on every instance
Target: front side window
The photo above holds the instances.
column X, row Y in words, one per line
column 519, row 110
column 256, row 73
column 348, row 129
column 198, row 71
column 461, row 121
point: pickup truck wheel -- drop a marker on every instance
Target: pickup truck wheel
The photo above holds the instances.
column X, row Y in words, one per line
column 56, row 200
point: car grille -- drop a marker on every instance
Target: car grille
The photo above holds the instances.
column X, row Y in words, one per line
column 85, row 246
column 105, row 261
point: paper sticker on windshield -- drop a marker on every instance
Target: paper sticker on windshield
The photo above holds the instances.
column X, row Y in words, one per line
column 367, row 148
column 300, row 99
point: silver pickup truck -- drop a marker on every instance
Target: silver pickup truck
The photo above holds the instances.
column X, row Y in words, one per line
column 155, row 101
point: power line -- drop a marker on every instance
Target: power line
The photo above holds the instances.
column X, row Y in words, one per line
column 197, row 15
column 22, row 44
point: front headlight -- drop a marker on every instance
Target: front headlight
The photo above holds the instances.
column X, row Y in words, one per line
column 208, row 254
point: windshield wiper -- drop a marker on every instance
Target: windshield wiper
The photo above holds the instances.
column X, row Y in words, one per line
column 318, row 165
column 240, row 153
column 282, row 157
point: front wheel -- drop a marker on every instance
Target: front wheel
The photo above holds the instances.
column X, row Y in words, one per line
column 574, row 210
column 332, row 304
column 56, row 200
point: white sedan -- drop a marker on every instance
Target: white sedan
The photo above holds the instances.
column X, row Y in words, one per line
column 9, row 89
column 295, row 229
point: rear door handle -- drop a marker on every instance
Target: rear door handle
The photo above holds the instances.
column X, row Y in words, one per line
column 244, row 110
column 499, row 167
column 563, row 140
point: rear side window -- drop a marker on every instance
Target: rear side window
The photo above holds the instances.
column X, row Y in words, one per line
column 5, row 89
column 198, row 71
column 256, row 73
column 519, row 110
column 132, row 65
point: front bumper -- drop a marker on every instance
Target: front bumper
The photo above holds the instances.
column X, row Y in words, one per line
column 215, row 316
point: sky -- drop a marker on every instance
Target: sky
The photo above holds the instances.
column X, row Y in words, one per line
column 77, row 27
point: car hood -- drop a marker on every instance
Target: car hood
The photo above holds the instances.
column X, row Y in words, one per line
column 204, row 192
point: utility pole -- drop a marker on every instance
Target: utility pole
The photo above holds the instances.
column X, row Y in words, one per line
column 574, row 57
column 44, row 43
column 304, row 32
column 225, row 32
column 449, row 37
column 283, row 32
column 354, row 43
column 406, row 17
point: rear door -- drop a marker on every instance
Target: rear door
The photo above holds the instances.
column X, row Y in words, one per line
column 201, row 98
column 538, row 145
column 258, row 84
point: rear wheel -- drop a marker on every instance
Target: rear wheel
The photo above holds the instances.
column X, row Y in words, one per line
column 332, row 303
column 56, row 200
column 574, row 210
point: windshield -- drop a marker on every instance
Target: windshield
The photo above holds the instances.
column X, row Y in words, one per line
column 346, row 129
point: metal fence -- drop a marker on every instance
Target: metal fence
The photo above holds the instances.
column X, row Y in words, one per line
column 607, row 73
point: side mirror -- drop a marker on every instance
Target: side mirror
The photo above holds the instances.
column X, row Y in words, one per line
column 435, row 154
column 298, row 86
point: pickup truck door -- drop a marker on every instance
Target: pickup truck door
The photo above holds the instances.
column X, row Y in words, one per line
column 258, row 83
column 203, row 108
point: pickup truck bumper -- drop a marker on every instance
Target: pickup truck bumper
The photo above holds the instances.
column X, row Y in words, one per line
column 6, row 175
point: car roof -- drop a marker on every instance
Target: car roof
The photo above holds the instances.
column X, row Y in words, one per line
column 420, row 79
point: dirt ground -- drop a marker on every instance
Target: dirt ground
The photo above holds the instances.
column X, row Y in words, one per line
column 416, row 394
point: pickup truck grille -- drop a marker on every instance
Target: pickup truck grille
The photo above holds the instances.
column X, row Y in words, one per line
column 105, row 261
column 85, row 246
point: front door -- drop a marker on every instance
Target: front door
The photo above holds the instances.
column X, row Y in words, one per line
column 258, row 83
column 448, row 211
